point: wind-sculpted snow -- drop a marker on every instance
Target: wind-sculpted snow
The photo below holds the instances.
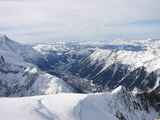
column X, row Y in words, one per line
column 118, row 105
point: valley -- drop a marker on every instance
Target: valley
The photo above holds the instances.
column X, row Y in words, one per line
column 115, row 81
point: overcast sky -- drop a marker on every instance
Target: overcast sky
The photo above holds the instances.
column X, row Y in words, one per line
column 46, row 20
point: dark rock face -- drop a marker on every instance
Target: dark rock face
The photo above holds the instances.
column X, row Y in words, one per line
column 109, row 76
column 150, row 99
column 116, row 74
column 2, row 60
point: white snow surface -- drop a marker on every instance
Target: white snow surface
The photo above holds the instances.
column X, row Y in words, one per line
column 104, row 106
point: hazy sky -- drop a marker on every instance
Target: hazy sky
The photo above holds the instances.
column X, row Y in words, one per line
column 46, row 20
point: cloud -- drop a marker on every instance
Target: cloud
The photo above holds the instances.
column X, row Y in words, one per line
column 78, row 19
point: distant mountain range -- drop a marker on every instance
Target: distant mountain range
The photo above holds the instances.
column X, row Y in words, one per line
column 127, row 72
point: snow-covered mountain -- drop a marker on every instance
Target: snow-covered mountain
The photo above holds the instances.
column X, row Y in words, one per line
column 47, row 69
column 117, row 105
column 23, row 51
column 18, row 77
column 131, row 63
column 110, row 68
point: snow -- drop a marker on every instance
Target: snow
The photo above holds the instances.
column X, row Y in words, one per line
column 148, row 58
column 70, row 107
column 46, row 48
column 48, row 84
column 118, row 90
column 20, row 78
column 58, row 107
column 57, row 103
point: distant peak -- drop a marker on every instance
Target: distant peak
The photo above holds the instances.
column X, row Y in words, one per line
column 3, row 38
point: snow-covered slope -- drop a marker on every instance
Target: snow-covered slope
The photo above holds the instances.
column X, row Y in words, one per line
column 20, row 78
column 117, row 105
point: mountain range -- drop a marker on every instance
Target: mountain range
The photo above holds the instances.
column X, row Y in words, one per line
column 73, row 81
